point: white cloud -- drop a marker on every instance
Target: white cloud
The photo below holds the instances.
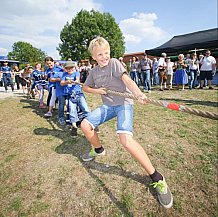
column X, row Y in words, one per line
column 3, row 51
column 38, row 22
column 141, row 29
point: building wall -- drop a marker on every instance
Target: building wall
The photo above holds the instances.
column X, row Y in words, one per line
column 139, row 55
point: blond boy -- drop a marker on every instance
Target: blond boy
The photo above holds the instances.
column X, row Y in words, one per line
column 110, row 74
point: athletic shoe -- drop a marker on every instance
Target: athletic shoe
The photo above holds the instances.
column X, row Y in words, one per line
column 78, row 124
column 48, row 114
column 92, row 155
column 74, row 132
column 74, row 124
column 210, row 88
column 164, row 194
column 41, row 106
column 61, row 121
column 97, row 130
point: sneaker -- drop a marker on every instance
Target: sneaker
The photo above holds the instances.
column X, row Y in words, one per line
column 92, row 155
column 164, row 194
column 61, row 121
column 210, row 88
column 74, row 124
column 41, row 106
column 74, row 132
column 48, row 114
column 97, row 130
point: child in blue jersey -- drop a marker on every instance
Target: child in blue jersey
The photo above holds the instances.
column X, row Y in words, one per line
column 39, row 83
column 52, row 80
column 74, row 93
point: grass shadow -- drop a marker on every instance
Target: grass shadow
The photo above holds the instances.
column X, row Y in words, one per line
column 79, row 147
column 34, row 105
column 192, row 102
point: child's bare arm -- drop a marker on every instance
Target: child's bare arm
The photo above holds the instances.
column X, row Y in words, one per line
column 94, row 90
column 132, row 86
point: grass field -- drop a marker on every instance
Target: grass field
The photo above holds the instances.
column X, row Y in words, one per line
column 41, row 172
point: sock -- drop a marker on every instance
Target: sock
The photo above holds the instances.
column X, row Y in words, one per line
column 156, row 176
column 99, row 150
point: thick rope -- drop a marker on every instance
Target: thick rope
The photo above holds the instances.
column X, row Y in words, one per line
column 172, row 106
column 166, row 104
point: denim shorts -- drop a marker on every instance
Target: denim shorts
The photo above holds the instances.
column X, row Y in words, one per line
column 123, row 113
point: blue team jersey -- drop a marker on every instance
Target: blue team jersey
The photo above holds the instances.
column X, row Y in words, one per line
column 6, row 71
column 59, row 88
column 71, row 88
column 50, row 74
column 39, row 77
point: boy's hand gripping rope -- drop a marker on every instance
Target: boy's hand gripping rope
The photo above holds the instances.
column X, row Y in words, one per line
column 169, row 105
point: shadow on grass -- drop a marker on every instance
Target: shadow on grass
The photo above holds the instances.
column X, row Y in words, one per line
column 34, row 105
column 77, row 147
column 192, row 102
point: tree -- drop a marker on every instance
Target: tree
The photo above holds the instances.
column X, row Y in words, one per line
column 75, row 37
column 25, row 52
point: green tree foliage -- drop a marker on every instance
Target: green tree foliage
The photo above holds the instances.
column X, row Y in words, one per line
column 85, row 26
column 25, row 52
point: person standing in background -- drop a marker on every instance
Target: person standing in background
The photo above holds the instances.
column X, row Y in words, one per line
column 17, row 74
column 193, row 70
column 134, row 70
column 180, row 74
column 83, row 72
column 208, row 68
column 7, row 76
column 145, row 67
column 121, row 61
column 162, row 71
column 155, row 72
column 169, row 72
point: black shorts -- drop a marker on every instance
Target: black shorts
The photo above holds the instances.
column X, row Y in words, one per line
column 24, row 83
column 206, row 75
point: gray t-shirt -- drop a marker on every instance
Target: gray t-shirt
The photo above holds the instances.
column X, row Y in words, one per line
column 109, row 77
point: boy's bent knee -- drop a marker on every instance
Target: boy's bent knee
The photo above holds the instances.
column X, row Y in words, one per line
column 85, row 125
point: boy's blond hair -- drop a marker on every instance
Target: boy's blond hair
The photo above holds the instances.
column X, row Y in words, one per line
column 98, row 42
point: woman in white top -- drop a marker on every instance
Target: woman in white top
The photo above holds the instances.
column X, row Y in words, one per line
column 169, row 72
column 193, row 70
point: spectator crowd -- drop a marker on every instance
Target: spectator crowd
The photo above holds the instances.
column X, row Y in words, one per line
column 191, row 71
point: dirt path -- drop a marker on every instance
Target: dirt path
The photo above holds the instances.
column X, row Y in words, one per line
column 4, row 95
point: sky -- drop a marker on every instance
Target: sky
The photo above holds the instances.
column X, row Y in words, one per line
column 145, row 24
